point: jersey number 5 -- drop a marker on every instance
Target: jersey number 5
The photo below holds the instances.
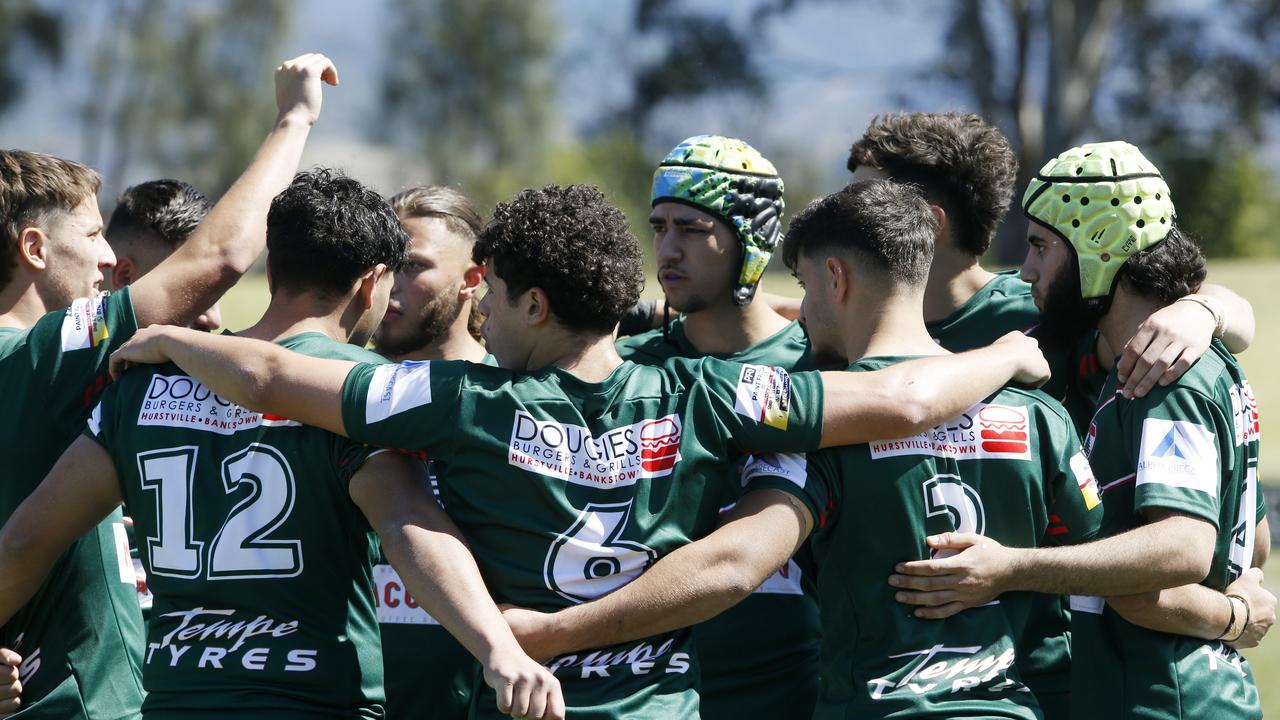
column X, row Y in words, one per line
column 239, row 549
column 588, row 560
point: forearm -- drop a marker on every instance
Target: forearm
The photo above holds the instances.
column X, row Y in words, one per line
column 1262, row 543
column 910, row 397
column 1158, row 555
column 1192, row 610
column 442, row 575
column 261, row 376
column 1238, row 315
column 235, row 229
column 691, row 584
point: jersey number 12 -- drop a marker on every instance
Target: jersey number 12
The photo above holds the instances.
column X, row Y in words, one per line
column 239, row 549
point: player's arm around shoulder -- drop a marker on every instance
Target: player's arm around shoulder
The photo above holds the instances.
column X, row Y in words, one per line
column 428, row 551
column 253, row 374
column 913, row 396
column 689, row 585
column 232, row 236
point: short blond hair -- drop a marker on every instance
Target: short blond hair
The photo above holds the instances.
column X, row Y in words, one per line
column 32, row 185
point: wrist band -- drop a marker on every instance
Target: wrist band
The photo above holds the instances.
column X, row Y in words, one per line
column 1219, row 317
column 1244, row 626
column 1230, row 622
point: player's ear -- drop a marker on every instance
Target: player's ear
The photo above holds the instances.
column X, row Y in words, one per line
column 271, row 286
column 122, row 273
column 33, row 247
column 472, row 278
column 537, row 308
column 369, row 284
column 838, row 278
column 939, row 215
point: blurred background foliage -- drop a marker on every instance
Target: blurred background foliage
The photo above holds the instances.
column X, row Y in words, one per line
column 469, row 91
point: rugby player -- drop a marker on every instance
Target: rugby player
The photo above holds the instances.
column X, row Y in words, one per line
column 430, row 317
column 967, row 170
column 576, row 471
column 1008, row 467
column 1178, row 468
column 81, row 633
column 149, row 222
column 257, row 529
column 716, row 219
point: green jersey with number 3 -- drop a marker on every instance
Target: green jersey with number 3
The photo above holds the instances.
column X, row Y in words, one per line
column 81, row 634
column 1190, row 447
column 1009, row 468
column 259, row 561
column 759, row 658
column 566, row 489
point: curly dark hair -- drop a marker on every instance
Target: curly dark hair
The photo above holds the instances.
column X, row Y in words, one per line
column 326, row 229
column 964, row 165
column 164, row 210
column 886, row 224
column 1165, row 271
column 574, row 245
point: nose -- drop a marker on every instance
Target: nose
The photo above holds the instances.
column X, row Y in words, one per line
column 209, row 320
column 1029, row 273
column 666, row 246
column 106, row 257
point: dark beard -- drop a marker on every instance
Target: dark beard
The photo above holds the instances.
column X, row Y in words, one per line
column 1066, row 316
column 434, row 321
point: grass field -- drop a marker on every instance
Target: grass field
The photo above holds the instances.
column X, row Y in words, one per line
column 1255, row 280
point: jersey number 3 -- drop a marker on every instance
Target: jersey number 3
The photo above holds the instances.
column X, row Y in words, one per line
column 239, row 549
column 946, row 496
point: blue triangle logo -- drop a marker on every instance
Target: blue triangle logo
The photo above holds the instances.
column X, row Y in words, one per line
column 1170, row 445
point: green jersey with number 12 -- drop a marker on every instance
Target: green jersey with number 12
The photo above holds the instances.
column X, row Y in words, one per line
column 259, row 561
column 566, row 489
column 1009, row 468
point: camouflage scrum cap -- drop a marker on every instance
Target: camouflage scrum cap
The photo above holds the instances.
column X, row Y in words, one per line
column 731, row 180
column 1107, row 201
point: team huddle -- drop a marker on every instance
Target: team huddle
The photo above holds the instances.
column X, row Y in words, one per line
column 924, row 490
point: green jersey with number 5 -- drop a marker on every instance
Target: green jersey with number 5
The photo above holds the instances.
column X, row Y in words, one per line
column 259, row 561
column 566, row 490
column 1010, row 468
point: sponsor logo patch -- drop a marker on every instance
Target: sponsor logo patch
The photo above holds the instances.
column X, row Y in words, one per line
column 941, row 670
column 182, row 402
column 85, row 324
column 619, row 457
column 1085, row 480
column 1179, row 454
column 396, row 388
column 986, row 431
column 791, row 466
column 764, row 395
column 1244, row 409
column 395, row 605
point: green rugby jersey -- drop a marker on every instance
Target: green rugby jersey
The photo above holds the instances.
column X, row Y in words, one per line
column 1003, row 305
column 1009, row 468
column 1191, row 446
column 566, row 489
column 259, row 561
column 428, row 673
column 81, row 634
column 760, row 657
